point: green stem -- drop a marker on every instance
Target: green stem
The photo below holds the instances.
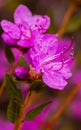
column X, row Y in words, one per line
column 23, row 112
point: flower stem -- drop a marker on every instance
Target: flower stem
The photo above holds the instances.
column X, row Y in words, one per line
column 63, row 107
column 23, row 112
column 11, row 72
column 66, row 18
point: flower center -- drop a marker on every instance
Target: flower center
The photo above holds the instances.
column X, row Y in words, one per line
column 25, row 32
column 28, row 34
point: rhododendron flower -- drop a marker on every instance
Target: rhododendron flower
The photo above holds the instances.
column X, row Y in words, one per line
column 25, row 27
column 52, row 57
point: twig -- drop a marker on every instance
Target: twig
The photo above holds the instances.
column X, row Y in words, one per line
column 23, row 112
column 66, row 18
column 63, row 107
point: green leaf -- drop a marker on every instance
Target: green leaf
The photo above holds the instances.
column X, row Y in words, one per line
column 13, row 110
column 37, row 85
column 52, row 28
column 74, row 23
column 23, row 62
column 13, row 91
column 37, row 110
column 9, row 55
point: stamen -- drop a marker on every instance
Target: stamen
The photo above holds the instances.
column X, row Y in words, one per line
column 71, row 54
column 48, row 61
column 63, row 62
column 54, row 65
column 51, row 58
column 70, row 47
column 61, row 66
column 68, row 60
column 59, row 54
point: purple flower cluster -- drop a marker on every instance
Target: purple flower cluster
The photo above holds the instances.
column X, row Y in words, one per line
column 49, row 56
column 25, row 27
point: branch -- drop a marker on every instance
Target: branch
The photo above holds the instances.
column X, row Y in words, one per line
column 23, row 112
column 66, row 18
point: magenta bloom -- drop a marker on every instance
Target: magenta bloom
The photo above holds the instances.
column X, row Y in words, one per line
column 52, row 58
column 25, row 27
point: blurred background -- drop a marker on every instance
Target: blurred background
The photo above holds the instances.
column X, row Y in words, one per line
column 56, row 10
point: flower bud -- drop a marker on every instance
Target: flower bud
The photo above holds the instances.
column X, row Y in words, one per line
column 21, row 72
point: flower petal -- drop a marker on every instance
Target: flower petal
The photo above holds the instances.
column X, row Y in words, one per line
column 24, row 43
column 8, row 40
column 40, row 23
column 10, row 28
column 22, row 13
column 54, row 80
column 49, row 44
column 65, row 71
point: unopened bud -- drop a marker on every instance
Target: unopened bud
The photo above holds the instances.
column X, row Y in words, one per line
column 21, row 72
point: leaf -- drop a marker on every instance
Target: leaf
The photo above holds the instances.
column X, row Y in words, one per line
column 13, row 91
column 13, row 110
column 37, row 85
column 74, row 23
column 37, row 110
column 23, row 62
column 9, row 55
column 52, row 28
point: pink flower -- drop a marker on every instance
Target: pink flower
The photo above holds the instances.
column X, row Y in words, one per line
column 52, row 58
column 25, row 27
